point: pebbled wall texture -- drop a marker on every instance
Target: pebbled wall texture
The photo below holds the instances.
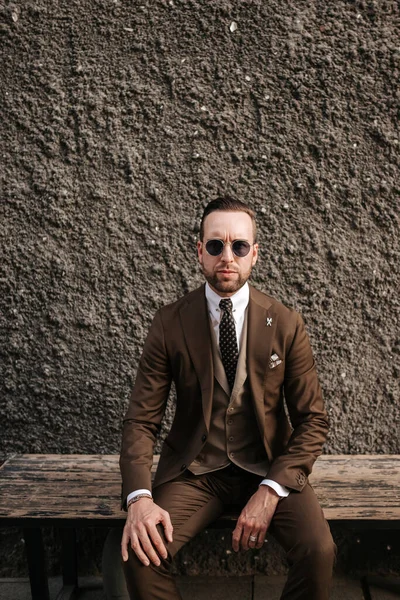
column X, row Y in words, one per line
column 120, row 121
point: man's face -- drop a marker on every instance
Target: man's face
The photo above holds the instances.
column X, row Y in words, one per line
column 227, row 273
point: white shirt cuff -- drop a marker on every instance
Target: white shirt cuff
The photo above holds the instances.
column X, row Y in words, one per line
column 281, row 490
column 136, row 493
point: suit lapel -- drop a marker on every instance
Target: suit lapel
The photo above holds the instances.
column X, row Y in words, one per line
column 196, row 329
column 262, row 322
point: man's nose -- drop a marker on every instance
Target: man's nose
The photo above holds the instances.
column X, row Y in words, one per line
column 227, row 254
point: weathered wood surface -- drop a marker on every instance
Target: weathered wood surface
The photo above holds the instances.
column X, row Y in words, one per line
column 358, row 487
column 88, row 487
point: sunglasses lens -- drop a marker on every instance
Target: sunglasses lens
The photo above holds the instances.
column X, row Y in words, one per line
column 214, row 247
column 241, row 248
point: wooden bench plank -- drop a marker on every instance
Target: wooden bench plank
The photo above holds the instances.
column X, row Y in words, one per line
column 358, row 487
column 88, row 487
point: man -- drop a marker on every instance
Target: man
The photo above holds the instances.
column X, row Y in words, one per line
column 241, row 363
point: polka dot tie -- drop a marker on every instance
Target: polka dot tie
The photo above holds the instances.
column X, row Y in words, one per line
column 228, row 341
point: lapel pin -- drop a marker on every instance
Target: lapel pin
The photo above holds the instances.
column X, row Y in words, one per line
column 269, row 321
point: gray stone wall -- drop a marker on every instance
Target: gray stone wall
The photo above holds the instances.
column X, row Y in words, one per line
column 120, row 121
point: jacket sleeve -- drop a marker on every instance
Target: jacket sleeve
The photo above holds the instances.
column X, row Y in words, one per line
column 146, row 409
column 307, row 414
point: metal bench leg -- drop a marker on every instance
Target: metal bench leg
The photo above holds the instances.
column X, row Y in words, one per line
column 69, row 562
column 36, row 563
column 69, row 556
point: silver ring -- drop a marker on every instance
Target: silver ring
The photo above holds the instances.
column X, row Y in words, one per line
column 253, row 538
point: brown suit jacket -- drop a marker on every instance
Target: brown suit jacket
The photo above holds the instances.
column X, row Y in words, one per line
column 178, row 348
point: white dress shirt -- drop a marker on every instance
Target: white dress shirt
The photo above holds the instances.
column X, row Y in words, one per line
column 240, row 300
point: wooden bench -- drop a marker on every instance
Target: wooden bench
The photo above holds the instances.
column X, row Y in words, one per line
column 71, row 491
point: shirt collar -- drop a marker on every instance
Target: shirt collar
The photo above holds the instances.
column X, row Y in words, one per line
column 240, row 301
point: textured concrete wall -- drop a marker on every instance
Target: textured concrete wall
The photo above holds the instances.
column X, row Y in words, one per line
column 120, row 121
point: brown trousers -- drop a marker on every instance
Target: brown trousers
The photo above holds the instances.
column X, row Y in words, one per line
column 194, row 502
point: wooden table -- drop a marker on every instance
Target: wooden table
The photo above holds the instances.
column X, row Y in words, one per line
column 70, row 491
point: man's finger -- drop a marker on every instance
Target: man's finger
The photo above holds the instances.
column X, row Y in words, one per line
column 158, row 542
column 246, row 533
column 136, row 547
column 236, row 535
column 168, row 528
column 261, row 537
column 148, row 549
column 124, row 545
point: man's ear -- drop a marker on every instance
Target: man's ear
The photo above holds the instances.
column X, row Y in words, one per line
column 255, row 255
column 200, row 251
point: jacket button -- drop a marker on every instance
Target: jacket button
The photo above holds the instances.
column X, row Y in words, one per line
column 203, row 438
column 183, row 467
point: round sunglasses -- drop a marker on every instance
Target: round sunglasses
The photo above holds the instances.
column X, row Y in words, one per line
column 240, row 248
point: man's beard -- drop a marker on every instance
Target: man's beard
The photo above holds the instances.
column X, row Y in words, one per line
column 226, row 287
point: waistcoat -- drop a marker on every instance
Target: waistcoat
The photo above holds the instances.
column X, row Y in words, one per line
column 234, row 436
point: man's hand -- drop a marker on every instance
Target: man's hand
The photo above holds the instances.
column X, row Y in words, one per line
column 141, row 533
column 255, row 519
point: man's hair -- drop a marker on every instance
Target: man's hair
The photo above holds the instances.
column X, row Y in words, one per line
column 227, row 203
